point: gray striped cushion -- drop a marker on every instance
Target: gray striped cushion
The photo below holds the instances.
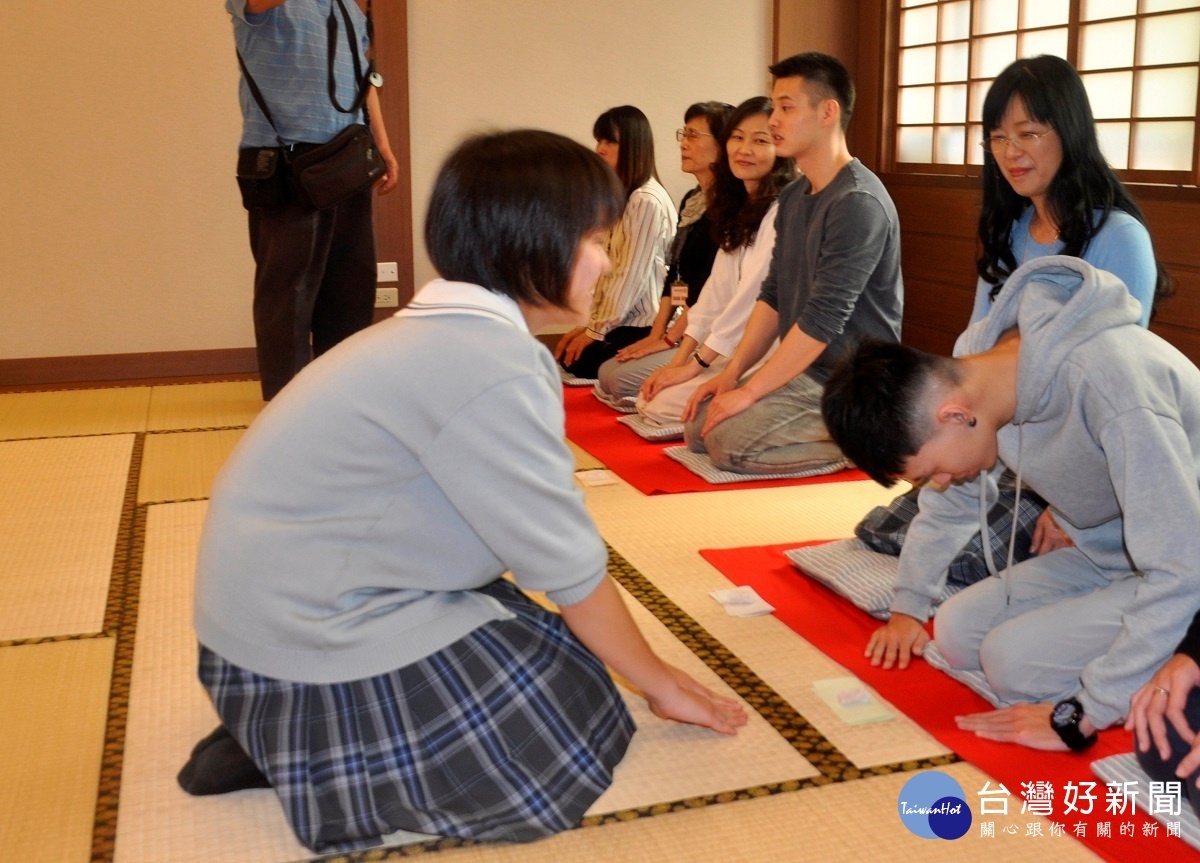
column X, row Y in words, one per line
column 702, row 466
column 850, row 567
column 572, row 381
column 1125, row 768
column 624, row 404
column 651, row 431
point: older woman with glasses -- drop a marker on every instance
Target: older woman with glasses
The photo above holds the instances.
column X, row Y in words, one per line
column 690, row 259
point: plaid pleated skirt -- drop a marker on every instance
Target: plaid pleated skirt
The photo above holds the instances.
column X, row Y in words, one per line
column 510, row 733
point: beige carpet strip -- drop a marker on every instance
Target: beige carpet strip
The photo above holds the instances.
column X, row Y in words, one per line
column 182, row 465
column 204, row 406
column 55, row 697
column 73, row 412
column 60, row 509
column 660, row 535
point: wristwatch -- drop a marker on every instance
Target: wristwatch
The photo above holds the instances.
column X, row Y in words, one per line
column 1065, row 720
column 699, row 359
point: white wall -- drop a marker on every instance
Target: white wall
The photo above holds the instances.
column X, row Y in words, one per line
column 553, row 64
column 121, row 230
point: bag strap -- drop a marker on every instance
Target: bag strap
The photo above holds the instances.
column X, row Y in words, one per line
column 258, row 97
column 364, row 81
column 360, row 100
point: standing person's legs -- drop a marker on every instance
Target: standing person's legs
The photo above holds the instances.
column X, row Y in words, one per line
column 1034, row 629
column 289, row 266
column 781, row 432
column 345, row 302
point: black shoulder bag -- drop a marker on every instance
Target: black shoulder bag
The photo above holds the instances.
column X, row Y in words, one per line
column 325, row 175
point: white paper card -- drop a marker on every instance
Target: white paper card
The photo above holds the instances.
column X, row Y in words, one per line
column 741, row 602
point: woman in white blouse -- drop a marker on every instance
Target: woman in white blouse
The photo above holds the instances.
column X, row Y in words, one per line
column 626, row 300
column 743, row 213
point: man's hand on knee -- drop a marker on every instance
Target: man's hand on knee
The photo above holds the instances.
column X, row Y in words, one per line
column 901, row 638
column 714, row 386
column 726, row 405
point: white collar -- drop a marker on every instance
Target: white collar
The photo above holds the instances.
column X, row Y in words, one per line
column 442, row 297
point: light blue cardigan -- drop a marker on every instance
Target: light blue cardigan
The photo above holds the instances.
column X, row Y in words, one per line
column 419, row 459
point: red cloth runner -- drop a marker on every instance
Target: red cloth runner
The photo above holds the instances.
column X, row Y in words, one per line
column 593, row 426
column 932, row 700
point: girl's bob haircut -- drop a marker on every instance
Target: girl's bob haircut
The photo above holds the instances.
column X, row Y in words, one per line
column 509, row 210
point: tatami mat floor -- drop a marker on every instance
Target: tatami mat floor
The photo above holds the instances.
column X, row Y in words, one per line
column 102, row 494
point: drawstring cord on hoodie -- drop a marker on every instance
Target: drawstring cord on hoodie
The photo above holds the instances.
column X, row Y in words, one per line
column 987, row 528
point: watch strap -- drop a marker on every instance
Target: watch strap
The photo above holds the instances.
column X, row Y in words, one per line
column 1069, row 731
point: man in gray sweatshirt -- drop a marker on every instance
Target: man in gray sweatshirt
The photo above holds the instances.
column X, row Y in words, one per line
column 1098, row 416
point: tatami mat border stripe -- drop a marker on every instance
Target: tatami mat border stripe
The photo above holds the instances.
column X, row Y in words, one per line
column 192, row 430
column 48, row 639
column 120, row 622
column 117, row 385
column 70, row 436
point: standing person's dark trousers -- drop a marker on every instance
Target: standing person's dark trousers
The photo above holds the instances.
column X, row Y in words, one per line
column 315, row 278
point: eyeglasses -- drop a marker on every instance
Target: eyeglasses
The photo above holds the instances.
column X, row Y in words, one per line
column 690, row 134
column 1023, row 141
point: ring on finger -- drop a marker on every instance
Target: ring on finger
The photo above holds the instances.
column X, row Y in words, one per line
column 1163, row 691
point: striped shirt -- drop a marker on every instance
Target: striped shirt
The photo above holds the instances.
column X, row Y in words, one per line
column 638, row 248
column 286, row 50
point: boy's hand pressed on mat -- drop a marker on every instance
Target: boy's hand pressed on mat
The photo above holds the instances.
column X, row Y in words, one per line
column 898, row 640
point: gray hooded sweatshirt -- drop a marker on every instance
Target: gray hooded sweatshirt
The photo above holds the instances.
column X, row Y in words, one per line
column 1107, row 430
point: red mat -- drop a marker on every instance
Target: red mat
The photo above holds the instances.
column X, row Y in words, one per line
column 932, row 700
column 593, row 426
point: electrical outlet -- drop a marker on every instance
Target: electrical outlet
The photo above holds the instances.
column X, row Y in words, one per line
column 386, row 298
column 387, row 272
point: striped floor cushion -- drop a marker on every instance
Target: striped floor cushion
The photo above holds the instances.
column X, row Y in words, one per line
column 850, row 567
column 702, row 466
column 1125, row 768
column 624, row 404
column 651, row 431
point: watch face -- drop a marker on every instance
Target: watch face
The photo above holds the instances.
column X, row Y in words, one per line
column 1064, row 714
column 376, row 79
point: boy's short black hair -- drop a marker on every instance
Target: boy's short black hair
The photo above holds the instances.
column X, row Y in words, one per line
column 825, row 75
column 509, row 210
column 873, row 406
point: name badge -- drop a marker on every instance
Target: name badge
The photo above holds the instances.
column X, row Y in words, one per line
column 679, row 293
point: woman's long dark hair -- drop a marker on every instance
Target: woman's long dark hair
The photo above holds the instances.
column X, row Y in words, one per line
column 736, row 215
column 628, row 127
column 1085, row 185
